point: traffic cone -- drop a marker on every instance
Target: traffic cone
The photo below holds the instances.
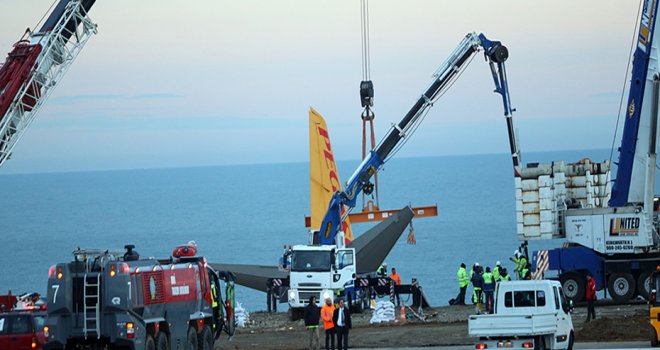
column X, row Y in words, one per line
column 402, row 315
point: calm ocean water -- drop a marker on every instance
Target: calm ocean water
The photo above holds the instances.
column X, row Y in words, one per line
column 245, row 214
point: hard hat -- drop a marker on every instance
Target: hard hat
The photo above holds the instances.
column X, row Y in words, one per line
column 516, row 252
column 498, row 263
column 384, row 263
column 476, row 264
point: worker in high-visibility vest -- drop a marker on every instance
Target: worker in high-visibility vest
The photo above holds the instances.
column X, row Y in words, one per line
column 463, row 282
column 327, row 312
column 525, row 274
column 396, row 278
column 504, row 275
column 489, row 289
column 496, row 271
column 382, row 270
column 521, row 263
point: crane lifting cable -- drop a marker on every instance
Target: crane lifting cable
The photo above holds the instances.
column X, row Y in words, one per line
column 370, row 199
column 367, row 100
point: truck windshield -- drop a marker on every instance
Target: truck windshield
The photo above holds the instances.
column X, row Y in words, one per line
column 310, row 261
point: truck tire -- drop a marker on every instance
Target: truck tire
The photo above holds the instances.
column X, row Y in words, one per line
column 205, row 339
column 573, row 285
column 149, row 344
column 161, row 341
column 295, row 314
column 192, row 339
column 644, row 284
column 621, row 286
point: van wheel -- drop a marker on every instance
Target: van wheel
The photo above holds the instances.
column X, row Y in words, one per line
column 621, row 286
column 573, row 285
column 162, row 342
column 192, row 339
column 205, row 339
column 654, row 337
column 149, row 344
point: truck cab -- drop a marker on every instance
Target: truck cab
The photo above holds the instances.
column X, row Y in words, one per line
column 528, row 314
column 319, row 271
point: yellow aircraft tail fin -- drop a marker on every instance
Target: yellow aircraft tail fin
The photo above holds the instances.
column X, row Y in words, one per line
column 324, row 176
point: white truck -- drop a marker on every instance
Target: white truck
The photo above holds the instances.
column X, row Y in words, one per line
column 528, row 315
column 319, row 271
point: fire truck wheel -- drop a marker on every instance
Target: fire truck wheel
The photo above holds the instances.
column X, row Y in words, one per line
column 205, row 339
column 149, row 344
column 161, row 341
column 192, row 339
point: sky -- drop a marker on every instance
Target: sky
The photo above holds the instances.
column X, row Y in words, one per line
column 208, row 82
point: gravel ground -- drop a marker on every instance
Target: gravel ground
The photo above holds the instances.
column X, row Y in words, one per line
column 443, row 326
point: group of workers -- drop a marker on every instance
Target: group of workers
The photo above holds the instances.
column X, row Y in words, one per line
column 336, row 323
column 484, row 281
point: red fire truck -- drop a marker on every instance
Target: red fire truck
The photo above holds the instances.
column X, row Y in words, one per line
column 118, row 300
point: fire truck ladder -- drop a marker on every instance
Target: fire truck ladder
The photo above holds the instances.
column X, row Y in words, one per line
column 91, row 303
column 61, row 47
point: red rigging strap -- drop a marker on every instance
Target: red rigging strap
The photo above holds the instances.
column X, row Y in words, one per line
column 15, row 72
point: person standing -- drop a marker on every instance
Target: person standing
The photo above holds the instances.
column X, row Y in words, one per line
column 342, row 319
column 463, row 282
column 478, row 285
column 591, row 297
column 474, row 271
column 496, row 272
column 312, row 316
column 521, row 264
column 327, row 312
column 396, row 278
column 489, row 289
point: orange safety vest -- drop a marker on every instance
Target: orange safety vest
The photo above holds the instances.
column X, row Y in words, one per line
column 326, row 315
column 396, row 278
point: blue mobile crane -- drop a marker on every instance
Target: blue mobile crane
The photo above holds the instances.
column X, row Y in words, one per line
column 326, row 266
column 495, row 54
column 610, row 227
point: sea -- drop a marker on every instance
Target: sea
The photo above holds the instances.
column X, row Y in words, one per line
column 247, row 213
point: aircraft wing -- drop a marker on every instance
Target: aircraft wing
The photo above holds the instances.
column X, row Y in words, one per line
column 373, row 246
column 252, row 276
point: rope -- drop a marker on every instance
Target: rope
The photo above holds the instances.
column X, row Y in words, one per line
column 625, row 79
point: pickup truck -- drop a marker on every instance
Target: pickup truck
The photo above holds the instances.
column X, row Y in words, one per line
column 528, row 315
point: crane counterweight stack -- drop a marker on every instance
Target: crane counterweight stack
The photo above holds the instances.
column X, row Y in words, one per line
column 36, row 65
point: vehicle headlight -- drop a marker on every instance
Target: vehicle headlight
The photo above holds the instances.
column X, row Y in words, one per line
column 292, row 295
